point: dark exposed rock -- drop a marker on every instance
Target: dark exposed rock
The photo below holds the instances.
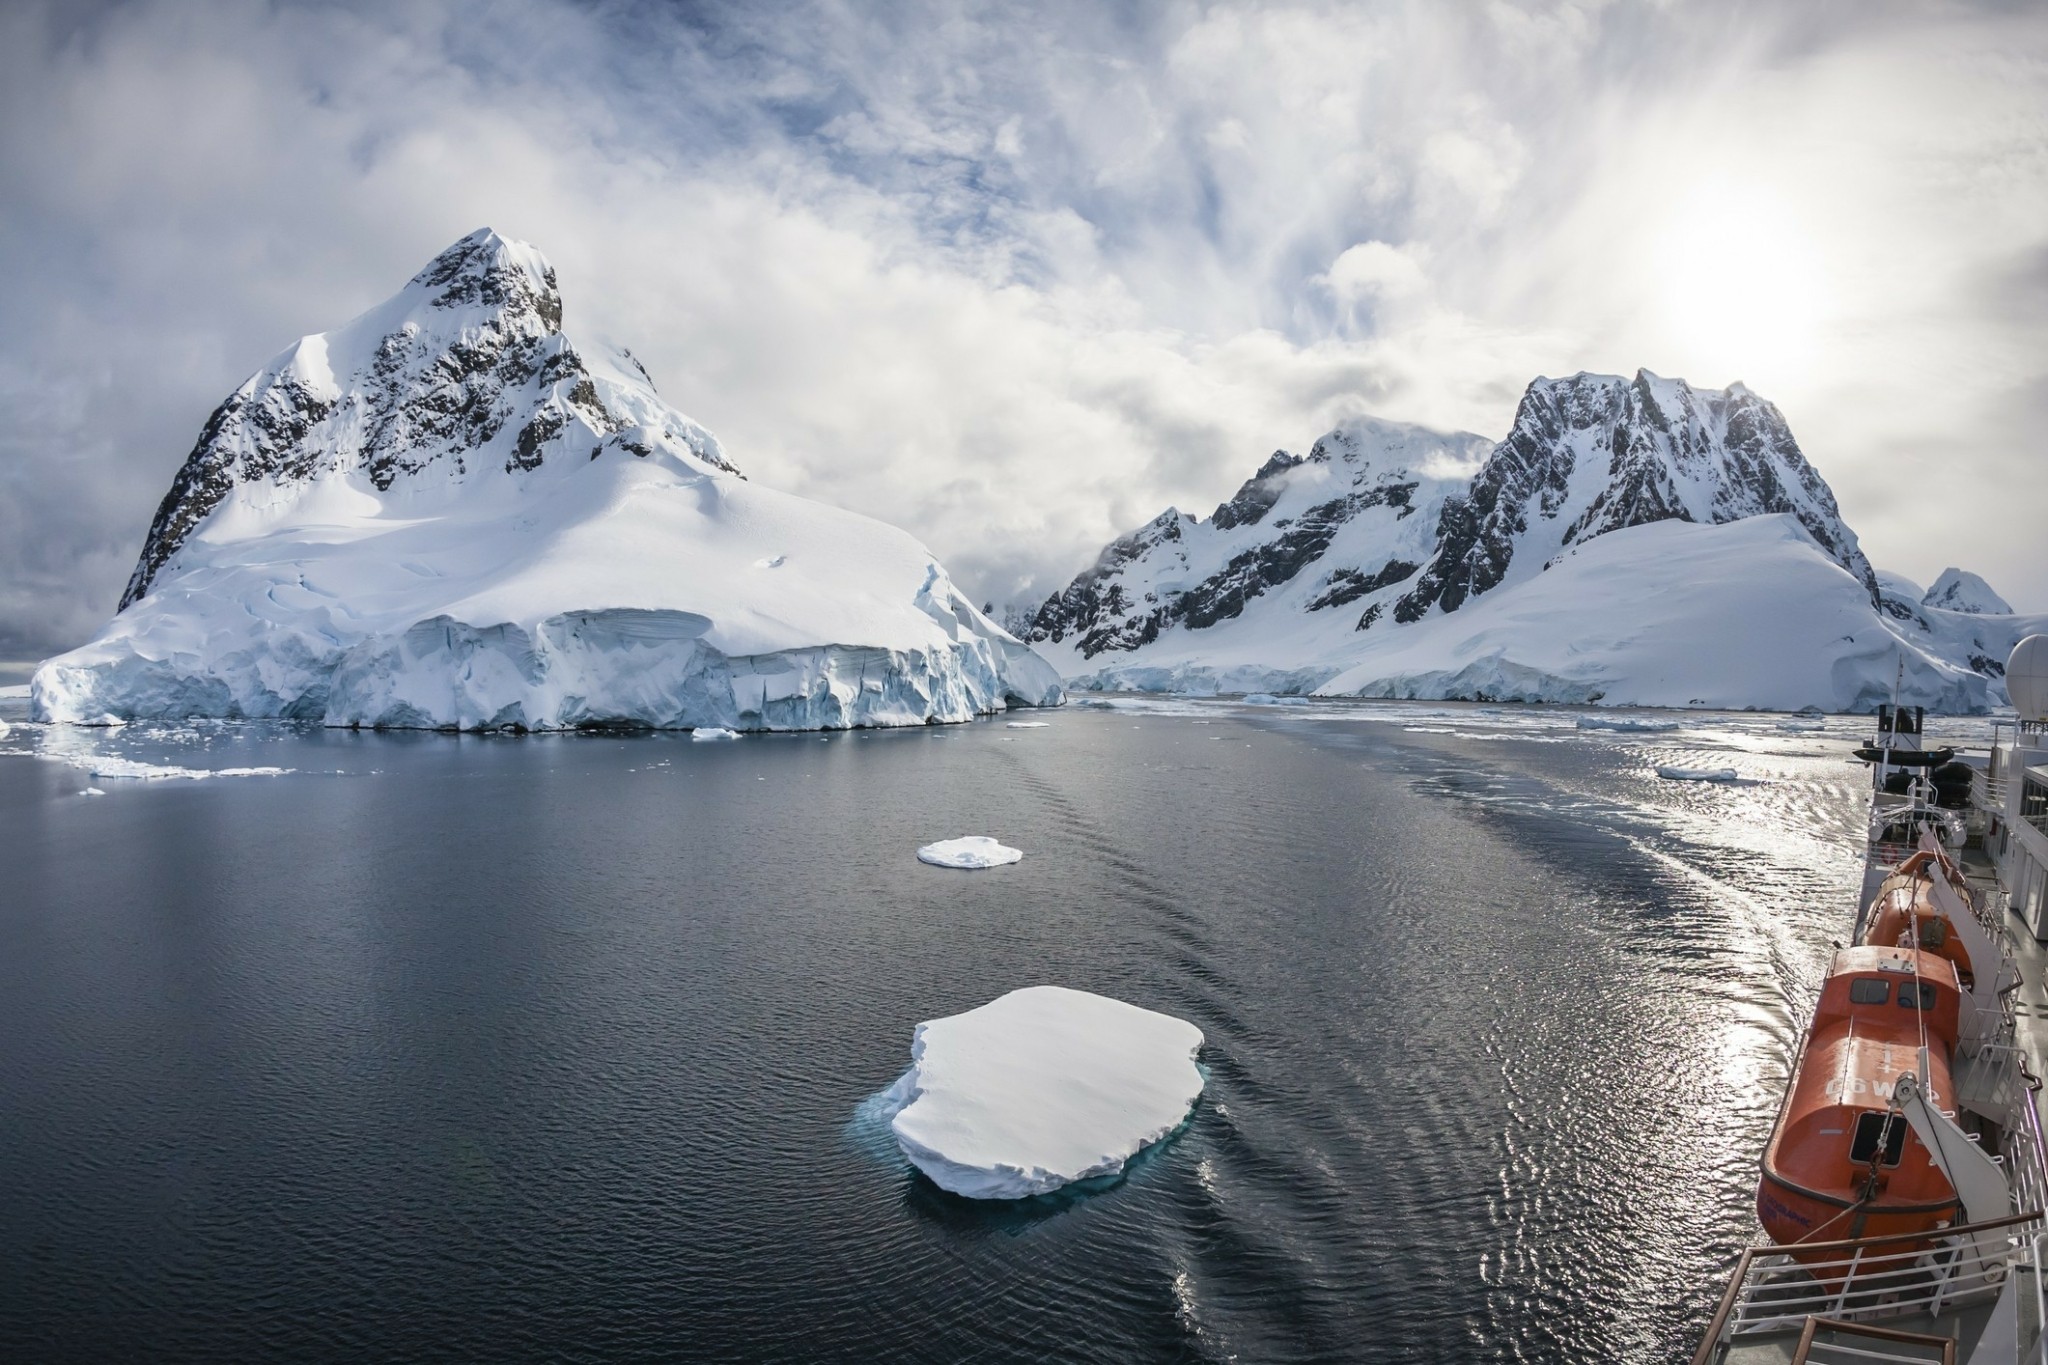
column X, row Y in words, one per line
column 1097, row 608
column 1348, row 585
column 1259, row 493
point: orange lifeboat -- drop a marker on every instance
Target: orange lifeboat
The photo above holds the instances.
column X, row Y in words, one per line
column 1842, row 1162
column 1904, row 913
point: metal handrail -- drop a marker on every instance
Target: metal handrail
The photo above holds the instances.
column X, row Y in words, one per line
column 2040, row 1295
column 1910, row 1255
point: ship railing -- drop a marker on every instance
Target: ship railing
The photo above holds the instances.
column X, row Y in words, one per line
column 1867, row 1279
column 2040, row 1297
column 1987, row 792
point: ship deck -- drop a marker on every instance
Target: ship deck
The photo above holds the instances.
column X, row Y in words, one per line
column 1984, row 1331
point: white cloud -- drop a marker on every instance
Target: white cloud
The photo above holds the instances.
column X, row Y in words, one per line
column 1018, row 282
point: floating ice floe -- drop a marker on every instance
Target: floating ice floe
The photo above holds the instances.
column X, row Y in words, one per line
column 1040, row 1088
column 92, row 791
column 1675, row 774
column 100, row 765
column 1630, row 726
column 713, row 732
column 973, row 851
column 1008, row 725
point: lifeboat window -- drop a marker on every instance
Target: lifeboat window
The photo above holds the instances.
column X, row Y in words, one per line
column 1870, row 1130
column 1869, row 990
column 1916, row 995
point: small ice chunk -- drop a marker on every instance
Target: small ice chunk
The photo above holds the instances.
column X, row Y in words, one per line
column 1631, row 726
column 972, row 851
column 1675, row 774
column 1008, row 725
column 1260, row 699
column 92, row 791
column 772, row 562
column 4, row 728
column 1040, row 1088
column 713, row 732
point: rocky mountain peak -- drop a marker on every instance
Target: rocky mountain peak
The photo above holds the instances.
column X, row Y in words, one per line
column 465, row 372
column 485, row 270
column 1595, row 453
column 1960, row 590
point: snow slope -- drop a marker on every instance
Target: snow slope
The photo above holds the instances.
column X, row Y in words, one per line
column 1751, row 613
column 448, row 514
column 1040, row 1088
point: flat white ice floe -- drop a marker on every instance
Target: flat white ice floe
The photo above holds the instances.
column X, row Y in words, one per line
column 713, row 732
column 100, row 765
column 1008, row 725
column 1671, row 773
column 1040, row 1088
column 972, row 851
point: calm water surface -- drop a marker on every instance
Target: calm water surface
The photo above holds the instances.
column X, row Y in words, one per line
column 557, row 1048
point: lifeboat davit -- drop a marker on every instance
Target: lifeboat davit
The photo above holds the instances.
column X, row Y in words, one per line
column 1842, row 1161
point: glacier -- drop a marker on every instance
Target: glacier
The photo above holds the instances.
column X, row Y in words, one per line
column 1040, row 1088
column 448, row 515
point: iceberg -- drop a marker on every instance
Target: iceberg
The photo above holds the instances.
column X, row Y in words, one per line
column 1008, row 725
column 1040, row 1088
column 704, row 732
column 972, row 851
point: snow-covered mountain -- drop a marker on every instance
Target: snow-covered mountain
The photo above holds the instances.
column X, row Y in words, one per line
column 1957, row 590
column 1303, row 536
column 449, row 514
column 1244, row 600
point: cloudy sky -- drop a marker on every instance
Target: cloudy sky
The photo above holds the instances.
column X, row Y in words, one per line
column 1018, row 277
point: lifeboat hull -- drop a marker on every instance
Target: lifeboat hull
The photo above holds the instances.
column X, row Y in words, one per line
column 1842, row 1163
column 1791, row 1215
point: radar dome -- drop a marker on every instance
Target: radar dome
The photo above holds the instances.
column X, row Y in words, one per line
column 2026, row 677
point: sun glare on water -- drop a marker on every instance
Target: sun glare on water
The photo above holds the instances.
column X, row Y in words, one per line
column 1743, row 287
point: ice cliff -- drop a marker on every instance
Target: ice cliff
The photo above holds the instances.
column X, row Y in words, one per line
column 448, row 514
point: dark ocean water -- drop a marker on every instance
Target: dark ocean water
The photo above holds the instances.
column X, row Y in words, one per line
column 447, row 1048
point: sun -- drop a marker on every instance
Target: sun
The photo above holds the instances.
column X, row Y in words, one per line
column 1742, row 285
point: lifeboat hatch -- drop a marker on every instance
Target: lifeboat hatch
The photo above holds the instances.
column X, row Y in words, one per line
column 1878, row 1126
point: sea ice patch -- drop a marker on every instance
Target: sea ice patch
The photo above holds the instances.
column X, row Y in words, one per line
column 1040, row 1088
column 1007, row 725
column 1672, row 773
column 971, row 851
column 713, row 732
column 1627, row 726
